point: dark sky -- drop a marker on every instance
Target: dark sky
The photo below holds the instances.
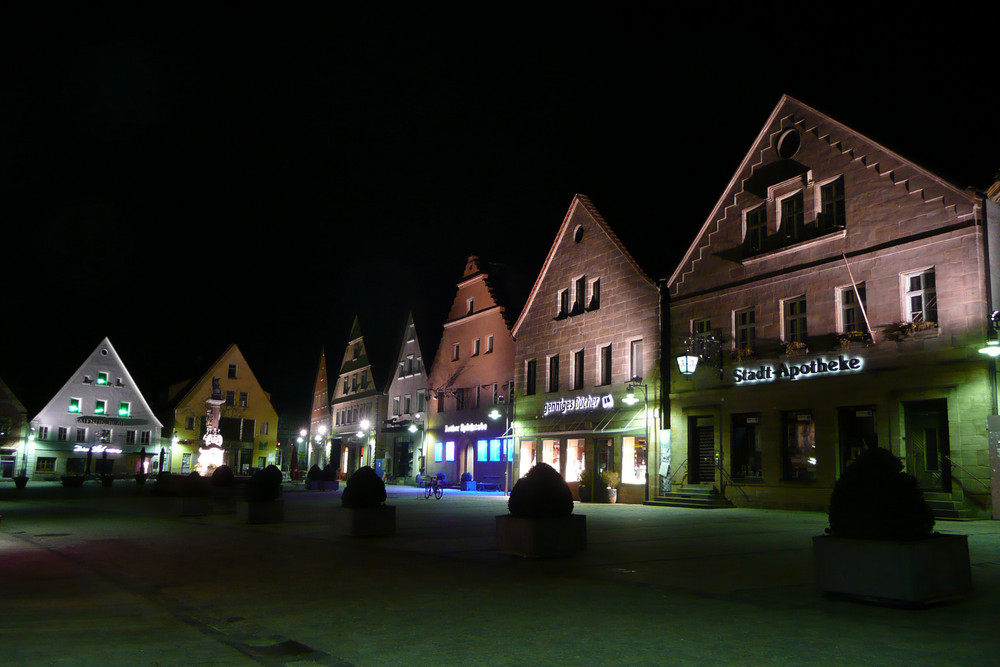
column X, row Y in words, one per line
column 178, row 182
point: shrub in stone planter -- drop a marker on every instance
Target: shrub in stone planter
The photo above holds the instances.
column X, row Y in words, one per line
column 223, row 483
column 107, row 481
column 264, row 502
column 195, row 496
column 467, row 483
column 364, row 499
column 880, row 546
column 21, row 481
column 331, row 478
column 541, row 522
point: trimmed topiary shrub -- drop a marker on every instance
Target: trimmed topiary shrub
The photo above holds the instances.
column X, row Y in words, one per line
column 330, row 473
column 875, row 499
column 314, row 474
column 364, row 489
column 223, row 477
column 195, row 486
column 265, row 484
column 466, row 476
column 541, row 493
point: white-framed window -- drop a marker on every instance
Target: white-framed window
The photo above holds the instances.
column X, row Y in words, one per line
column 745, row 329
column 395, row 406
column 102, row 377
column 832, row 213
column 792, row 216
column 755, row 227
column 552, row 381
column 579, row 293
column 100, row 407
column 124, row 409
column 409, row 365
column 63, row 434
column 920, row 296
column 81, row 435
column 408, row 404
column 43, row 432
column 421, row 399
column 144, row 437
column 793, row 320
column 849, row 310
column 489, row 343
column 475, row 347
column 74, row 405
column 130, row 437
column 562, row 303
column 470, row 305
column 635, row 359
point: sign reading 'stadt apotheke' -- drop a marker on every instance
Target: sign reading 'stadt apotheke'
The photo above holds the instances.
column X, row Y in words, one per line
column 820, row 366
column 564, row 405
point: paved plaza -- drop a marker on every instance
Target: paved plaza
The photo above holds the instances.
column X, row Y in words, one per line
column 118, row 577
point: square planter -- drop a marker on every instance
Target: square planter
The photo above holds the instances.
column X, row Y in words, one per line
column 372, row 521
column 224, row 499
column 547, row 537
column 469, row 485
column 195, row 505
column 913, row 573
column 266, row 511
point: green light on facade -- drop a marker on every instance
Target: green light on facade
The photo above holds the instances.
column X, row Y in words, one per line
column 74, row 405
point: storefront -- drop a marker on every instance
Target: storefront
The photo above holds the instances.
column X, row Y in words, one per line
column 475, row 447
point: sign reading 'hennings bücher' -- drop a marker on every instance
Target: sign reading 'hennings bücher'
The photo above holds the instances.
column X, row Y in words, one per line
column 578, row 403
column 820, row 366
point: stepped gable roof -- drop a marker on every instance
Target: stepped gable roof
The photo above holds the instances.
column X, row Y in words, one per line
column 755, row 171
column 507, row 284
column 580, row 202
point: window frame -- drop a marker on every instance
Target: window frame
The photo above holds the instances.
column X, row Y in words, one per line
column 530, row 377
column 906, row 294
column 579, row 368
column 635, row 367
column 755, row 220
column 552, row 373
column 792, row 230
column 787, row 319
column 740, row 327
column 843, row 306
column 605, row 357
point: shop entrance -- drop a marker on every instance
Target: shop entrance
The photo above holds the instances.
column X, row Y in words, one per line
column 701, row 450
column 927, row 448
column 856, row 426
column 402, row 458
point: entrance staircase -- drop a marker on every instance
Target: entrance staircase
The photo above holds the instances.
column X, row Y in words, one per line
column 949, row 507
column 693, row 496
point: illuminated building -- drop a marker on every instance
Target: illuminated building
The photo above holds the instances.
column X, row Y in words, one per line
column 590, row 326
column 13, row 433
column 358, row 404
column 405, row 425
column 836, row 295
column 101, row 412
column 471, row 377
column 315, row 450
column 248, row 422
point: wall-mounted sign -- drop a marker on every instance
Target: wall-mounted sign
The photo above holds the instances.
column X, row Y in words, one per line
column 820, row 366
column 465, row 428
column 577, row 404
column 97, row 449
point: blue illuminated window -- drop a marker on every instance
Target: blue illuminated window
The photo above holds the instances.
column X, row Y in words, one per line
column 437, row 452
column 481, row 450
column 494, row 450
column 449, row 451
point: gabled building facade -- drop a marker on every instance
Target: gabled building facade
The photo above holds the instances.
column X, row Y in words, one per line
column 837, row 296
column 403, row 428
column 470, row 384
column 248, row 422
column 590, row 327
column 320, row 422
column 98, row 416
column 357, row 407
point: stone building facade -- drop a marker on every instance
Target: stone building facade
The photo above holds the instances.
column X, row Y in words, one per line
column 837, row 296
column 590, row 326
column 403, row 428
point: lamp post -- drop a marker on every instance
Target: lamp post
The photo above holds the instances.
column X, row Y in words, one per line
column 632, row 399
column 705, row 348
column 413, row 428
column 508, row 460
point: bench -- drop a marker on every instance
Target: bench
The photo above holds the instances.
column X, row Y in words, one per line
column 490, row 483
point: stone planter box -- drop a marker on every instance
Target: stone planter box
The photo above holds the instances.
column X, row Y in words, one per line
column 913, row 573
column 195, row 505
column 72, row 481
column 20, row 482
column 224, row 499
column 266, row 511
column 372, row 521
column 547, row 537
column 469, row 485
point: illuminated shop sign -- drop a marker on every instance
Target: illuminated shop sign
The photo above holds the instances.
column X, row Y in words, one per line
column 577, row 404
column 465, row 428
column 97, row 449
column 781, row 371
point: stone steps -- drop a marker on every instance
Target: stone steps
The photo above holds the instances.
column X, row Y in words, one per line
column 694, row 496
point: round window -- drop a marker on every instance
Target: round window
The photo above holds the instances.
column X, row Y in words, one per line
column 578, row 233
column 788, row 144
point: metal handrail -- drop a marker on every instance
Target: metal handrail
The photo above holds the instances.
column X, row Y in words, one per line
column 682, row 466
column 966, row 471
column 732, row 483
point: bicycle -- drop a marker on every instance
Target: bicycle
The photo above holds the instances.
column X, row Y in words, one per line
column 433, row 486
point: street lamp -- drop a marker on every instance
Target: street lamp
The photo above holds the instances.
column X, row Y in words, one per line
column 708, row 348
column 631, row 399
column 413, row 428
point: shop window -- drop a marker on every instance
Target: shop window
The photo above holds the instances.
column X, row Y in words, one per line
column 495, row 450
column 635, row 360
column 799, row 451
column 449, row 451
column 553, row 381
column 575, row 459
column 605, row 356
column 851, row 315
column 746, row 459
column 633, row 460
column 482, row 451
column 438, row 452
column 530, row 376
column 63, row 434
column 45, row 464
column 792, row 219
column 74, row 405
column 921, row 296
column 578, row 369
column 527, row 457
column 604, row 449
column 76, row 465
column 794, row 320
column 755, row 222
column 232, row 372
column 701, row 327
column 833, row 213
column 745, row 324
column 551, row 453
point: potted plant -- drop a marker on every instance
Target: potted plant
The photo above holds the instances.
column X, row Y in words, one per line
column 107, row 480
column 584, row 490
column 264, row 501
column 21, row 481
column 880, row 546
column 541, row 523
column 73, row 481
column 314, row 477
column 467, row 483
column 223, row 490
column 196, row 497
column 611, row 479
column 364, row 500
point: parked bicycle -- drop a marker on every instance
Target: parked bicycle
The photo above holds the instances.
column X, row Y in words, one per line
column 433, row 485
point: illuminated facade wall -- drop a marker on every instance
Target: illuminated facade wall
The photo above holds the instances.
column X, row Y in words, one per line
column 407, row 400
column 591, row 323
column 249, row 423
column 819, row 228
column 320, row 421
column 13, row 433
column 357, row 400
column 98, row 409
column 470, row 377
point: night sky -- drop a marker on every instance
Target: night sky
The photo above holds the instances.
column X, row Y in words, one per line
column 179, row 182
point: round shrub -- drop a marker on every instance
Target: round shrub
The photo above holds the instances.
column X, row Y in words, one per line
column 314, row 474
column 541, row 493
column 466, row 476
column 364, row 489
column 195, row 486
column 223, row 476
column 265, row 484
column 329, row 473
column 875, row 499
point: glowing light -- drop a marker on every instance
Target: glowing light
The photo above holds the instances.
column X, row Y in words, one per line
column 365, row 424
column 992, row 349
column 210, row 458
column 687, row 363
